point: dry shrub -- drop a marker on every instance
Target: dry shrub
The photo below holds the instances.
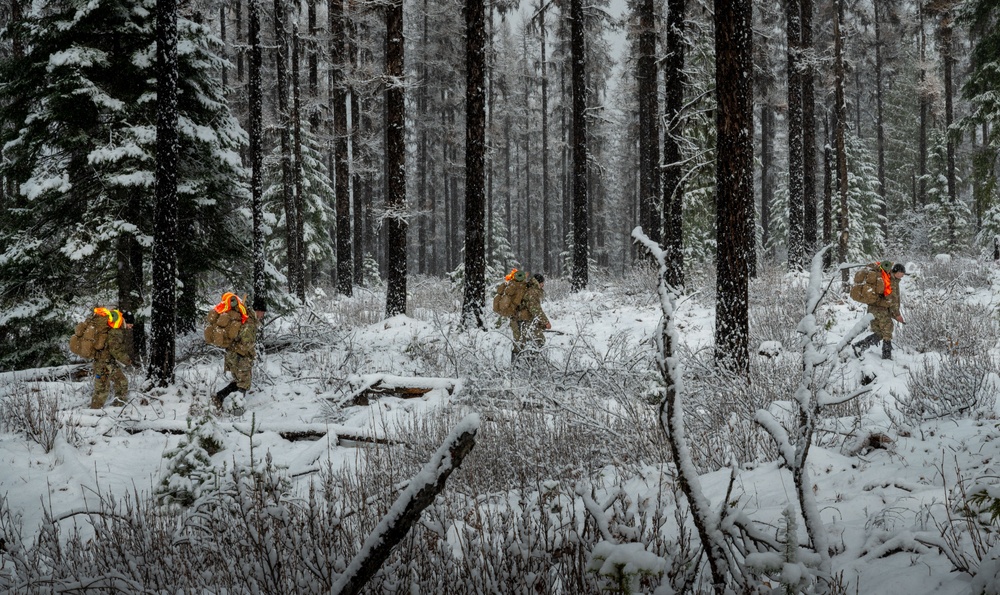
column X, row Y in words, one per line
column 943, row 324
column 34, row 412
column 957, row 386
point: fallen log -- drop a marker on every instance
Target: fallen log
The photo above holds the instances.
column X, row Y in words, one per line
column 407, row 508
column 345, row 436
column 368, row 386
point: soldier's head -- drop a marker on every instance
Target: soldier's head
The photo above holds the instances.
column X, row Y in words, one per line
column 129, row 318
column 540, row 279
column 898, row 270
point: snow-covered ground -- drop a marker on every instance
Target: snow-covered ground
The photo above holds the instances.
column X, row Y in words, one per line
column 886, row 490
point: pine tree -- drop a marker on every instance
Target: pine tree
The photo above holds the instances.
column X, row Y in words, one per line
column 82, row 157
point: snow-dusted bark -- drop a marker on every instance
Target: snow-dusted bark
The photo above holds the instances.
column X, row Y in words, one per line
column 706, row 519
column 395, row 161
column 581, row 246
column 162, row 347
column 405, row 511
column 475, row 163
column 256, row 133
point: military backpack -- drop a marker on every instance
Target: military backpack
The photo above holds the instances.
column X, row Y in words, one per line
column 510, row 293
column 90, row 336
column 225, row 322
column 870, row 282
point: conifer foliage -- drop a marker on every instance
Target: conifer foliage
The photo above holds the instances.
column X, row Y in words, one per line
column 80, row 104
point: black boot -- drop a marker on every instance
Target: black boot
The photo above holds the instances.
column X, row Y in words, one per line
column 861, row 346
column 886, row 349
column 220, row 396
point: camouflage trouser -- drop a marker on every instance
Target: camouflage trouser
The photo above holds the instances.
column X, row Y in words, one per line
column 883, row 324
column 528, row 335
column 108, row 373
column 241, row 368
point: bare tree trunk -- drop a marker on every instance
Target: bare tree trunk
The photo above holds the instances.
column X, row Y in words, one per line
column 674, row 82
column 300, row 253
column 827, row 194
column 796, row 214
column 650, row 215
column 925, row 101
column 475, row 163
column 342, row 172
column 766, row 175
column 287, row 190
column 808, row 131
column 880, row 123
column 580, row 210
column 395, row 161
column 840, row 111
column 256, row 136
column 162, row 348
column 546, row 215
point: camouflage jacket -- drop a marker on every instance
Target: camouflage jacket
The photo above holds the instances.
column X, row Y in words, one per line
column 531, row 304
column 114, row 348
column 246, row 342
column 889, row 302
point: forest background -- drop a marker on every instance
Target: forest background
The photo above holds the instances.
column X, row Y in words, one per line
column 311, row 147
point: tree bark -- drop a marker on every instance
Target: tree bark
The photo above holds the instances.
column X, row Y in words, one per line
column 580, row 210
column 256, row 136
column 840, row 111
column 806, row 61
column 649, row 167
column 342, row 183
column 796, row 214
column 162, row 358
column 734, row 179
column 674, row 82
column 284, row 136
column 475, row 163
column 395, row 161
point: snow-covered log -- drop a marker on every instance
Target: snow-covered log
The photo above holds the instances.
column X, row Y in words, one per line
column 406, row 510
column 288, row 431
column 366, row 386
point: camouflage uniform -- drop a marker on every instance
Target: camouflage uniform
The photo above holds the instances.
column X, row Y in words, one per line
column 529, row 322
column 108, row 372
column 240, row 355
column 885, row 310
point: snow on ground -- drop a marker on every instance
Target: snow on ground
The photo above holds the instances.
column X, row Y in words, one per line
column 873, row 501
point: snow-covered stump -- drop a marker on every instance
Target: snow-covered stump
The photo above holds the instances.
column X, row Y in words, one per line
column 706, row 520
column 406, row 510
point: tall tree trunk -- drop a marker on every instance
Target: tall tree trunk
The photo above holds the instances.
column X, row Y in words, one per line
column 808, row 132
column 342, row 184
column 948, row 57
column 395, row 161
column 475, row 163
column 674, row 81
column 312, row 58
column 240, row 40
column 880, row 123
column 925, row 101
column 580, row 212
column 546, row 215
column 223, row 49
column 840, row 112
column 162, row 348
column 766, row 174
column 733, row 180
column 300, row 253
column 423, row 194
column 256, row 137
column 649, row 167
column 796, row 214
column 827, row 193
column 284, row 136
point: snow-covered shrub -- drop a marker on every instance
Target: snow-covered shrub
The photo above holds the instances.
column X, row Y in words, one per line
column 952, row 275
column 957, row 386
column 943, row 324
column 775, row 306
column 621, row 566
column 33, row 412
column 189, row 467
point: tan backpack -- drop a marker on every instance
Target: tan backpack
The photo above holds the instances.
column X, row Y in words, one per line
column 510, row 293
column 869, row 285
column 89, row 337
column 222, row 329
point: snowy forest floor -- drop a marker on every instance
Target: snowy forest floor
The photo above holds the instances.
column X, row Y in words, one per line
column 892, row 470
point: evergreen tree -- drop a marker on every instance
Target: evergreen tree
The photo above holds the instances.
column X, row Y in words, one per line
column 82, row 158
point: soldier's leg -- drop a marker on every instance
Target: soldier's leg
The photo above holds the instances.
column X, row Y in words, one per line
column 118, row 381
column 243, row 373
column 102, row 385
column 515, row 330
